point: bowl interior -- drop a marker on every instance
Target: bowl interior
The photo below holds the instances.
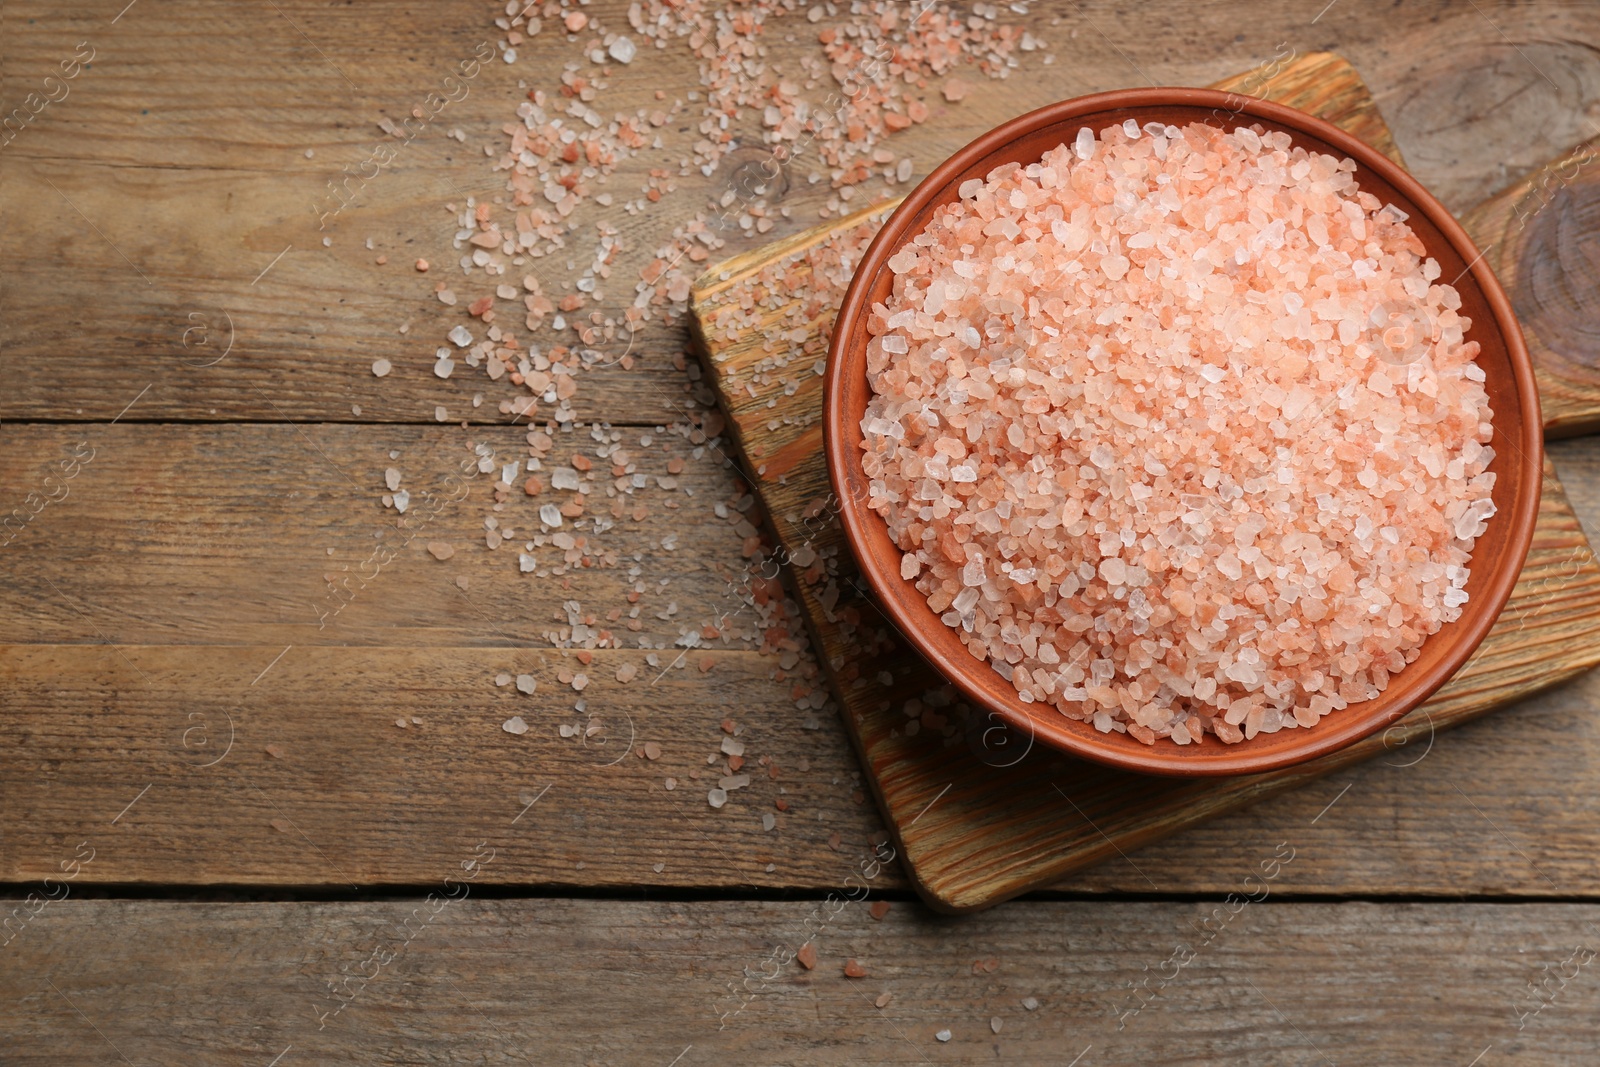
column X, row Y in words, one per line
column 1496, row 560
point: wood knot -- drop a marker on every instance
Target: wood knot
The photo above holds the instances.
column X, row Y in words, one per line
column 755, row 176
column 1558, row 278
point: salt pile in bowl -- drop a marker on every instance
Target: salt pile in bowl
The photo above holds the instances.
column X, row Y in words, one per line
column 1180, row 431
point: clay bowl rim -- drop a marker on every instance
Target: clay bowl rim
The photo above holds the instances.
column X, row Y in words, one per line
column 866, row 533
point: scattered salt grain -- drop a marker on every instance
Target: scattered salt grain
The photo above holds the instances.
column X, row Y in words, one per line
column 515, row 725
column 526, row 684
column 381, row 367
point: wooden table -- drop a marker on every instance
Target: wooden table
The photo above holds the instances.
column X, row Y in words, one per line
column 250, row 861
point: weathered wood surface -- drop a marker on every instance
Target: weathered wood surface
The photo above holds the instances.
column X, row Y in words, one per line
column 202, row 115
column 599, row 982
column 1542, row 237
column 199, row 553
column 976, row 823
column 186, row 149
column 232, row 534
column 150, row 550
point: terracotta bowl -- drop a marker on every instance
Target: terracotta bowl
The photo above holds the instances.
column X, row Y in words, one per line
column 1518, row 440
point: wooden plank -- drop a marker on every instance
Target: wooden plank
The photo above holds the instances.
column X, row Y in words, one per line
column 611, row 982
column 260, row 765
column 170, row 119
column 1539, row 235
column 161, row 548
column 1324, row 84
column 976, row 824
column 224, row 186
column 190, row 534
column 84, row 734
column 183, row 561
column 1451, row 79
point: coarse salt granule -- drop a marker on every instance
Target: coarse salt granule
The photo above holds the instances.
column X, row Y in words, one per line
column 1180, row 431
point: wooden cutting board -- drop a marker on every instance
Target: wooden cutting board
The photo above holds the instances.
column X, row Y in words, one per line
column 981, row 814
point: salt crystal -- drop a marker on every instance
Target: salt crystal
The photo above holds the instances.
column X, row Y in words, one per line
column 622, row 50
column 515, row 725
column 1179, row 470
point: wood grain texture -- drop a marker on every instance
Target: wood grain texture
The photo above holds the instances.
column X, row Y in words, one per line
column 182, row 581
column 1322, row 84
column 233, row 534
column 187, row 150
column 202, row 115
column 987, row 819
column 1542, row 237
column 195, row 554
column 602, row 982
column 303, row 778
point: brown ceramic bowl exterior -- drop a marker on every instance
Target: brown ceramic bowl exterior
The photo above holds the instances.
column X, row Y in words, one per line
column 1518, row 439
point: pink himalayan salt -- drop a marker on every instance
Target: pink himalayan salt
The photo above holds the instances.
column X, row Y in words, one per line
column 1179, row 430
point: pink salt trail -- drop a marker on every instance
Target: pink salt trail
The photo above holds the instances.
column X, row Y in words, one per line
column 1180, row 431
